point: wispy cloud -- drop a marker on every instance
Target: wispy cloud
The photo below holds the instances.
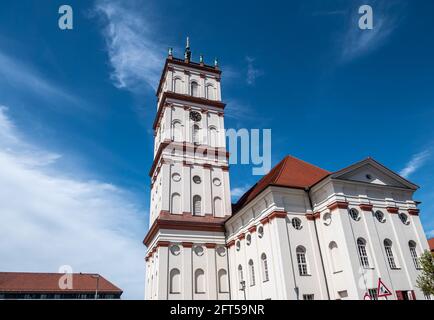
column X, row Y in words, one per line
column 239, row 191
column 135, row 55
column 252, row 72
column 416, row 162
column 356, row 42
column 24, row 77
column 50, row 220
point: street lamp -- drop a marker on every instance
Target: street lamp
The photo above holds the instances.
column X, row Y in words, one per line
column 96, row 276
column 243, row 288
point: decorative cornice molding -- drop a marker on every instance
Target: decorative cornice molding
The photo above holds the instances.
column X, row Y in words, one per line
column 210, row 245
column 230, row 243
column 252, row 229
column 241, row 236
column 187, row 244
column 366, row 207
column 413, row 211
column 338, row 205
column 392, row 209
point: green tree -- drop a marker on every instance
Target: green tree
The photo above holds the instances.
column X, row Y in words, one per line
column 425, row 281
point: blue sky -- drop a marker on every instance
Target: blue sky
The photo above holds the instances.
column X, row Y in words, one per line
column 77, row 108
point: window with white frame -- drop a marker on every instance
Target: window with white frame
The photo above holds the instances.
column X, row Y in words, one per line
column 389, row 254
column 363, row 255
column 252, row 273
column 240, row 277
column 301, row 261
column 194, row 89
column 265, row 276
column 197, row 205
column 414, row 256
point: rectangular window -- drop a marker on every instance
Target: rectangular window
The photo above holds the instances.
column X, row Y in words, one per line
column 363, row 256
column 373, row 294
column 308, row 297
column 302, row 264
column 414, row 257
column 427, row 297
column 390, row 257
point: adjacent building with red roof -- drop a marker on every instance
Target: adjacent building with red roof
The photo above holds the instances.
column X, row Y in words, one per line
column 27, row 285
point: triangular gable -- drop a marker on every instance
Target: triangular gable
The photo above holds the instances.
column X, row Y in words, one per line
column 371, row 171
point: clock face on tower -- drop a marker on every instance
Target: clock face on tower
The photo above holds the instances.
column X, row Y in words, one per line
column 195, row 116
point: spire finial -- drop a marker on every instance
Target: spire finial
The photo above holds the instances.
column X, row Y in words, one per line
column 187, row 54
column 170, row 52
column 216, row 63
column 201, row 58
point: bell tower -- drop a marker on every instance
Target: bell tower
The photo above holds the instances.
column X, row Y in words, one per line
column 190, row 193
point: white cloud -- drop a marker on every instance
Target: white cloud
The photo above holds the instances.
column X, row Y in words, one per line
column 239, row 191
column 135, row 55
column 22, row 76
column 48, row 220
column 417, row 161
column 357, row 42
column 252, row 71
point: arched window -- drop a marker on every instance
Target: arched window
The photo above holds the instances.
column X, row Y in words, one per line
column 301, row 261
column 213, row 137
column 176, row 203
column 197, row 205
column 389, row 253
column 175, row 281
column 240, row 276
column 334, row 256
column 413, row 253
column 177, row 131
column 199, row 279
column 218, row 207
column 210, row 92
column 196, row 134
column 194, row 89
column 223, row 281
column 177, row 85
column 265, row 276
column 251, row 273
column 363, row 254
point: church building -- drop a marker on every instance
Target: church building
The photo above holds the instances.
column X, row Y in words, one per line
column 301, row 232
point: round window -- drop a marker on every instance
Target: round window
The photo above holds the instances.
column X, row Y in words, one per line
column 195, row 116
column 248, row 239
column 198, row 250
column 327, row 219
column 260, row 231
column 354, row 214
column 221, row 251
column 176, row 177
column 175, row 249
column 380, row 216
column 404, row 218
column 217, row 182
column 238, row 245
column 296, row 223
column 197, row 179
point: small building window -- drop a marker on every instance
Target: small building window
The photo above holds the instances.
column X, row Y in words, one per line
column 265, row 276
column 413, row 253
column 373, row 294
column 301, row 261
column 308, row 297
column 363, row 255
column 404, row 218
column 194, row 89
column 240, row 277
column 197, row 205
column 296, row 223
column 354, row 214
column 389, row 254
column 379, row 215
column 252, row 273
column 199, row 277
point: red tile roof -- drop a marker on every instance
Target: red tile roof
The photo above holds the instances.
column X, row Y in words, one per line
column 431, row 244
column 49, row 282
column 290, row 172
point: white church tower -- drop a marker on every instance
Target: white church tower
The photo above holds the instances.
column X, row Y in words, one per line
column 190, row 193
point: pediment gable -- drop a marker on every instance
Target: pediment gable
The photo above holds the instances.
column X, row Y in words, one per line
column 371, row 171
